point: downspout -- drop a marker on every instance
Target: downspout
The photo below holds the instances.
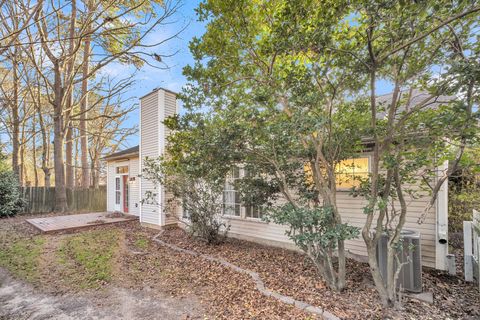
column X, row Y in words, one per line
column 443, row 260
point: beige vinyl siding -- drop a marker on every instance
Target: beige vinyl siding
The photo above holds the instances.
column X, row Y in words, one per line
column 134, row 188
column 149, row 147
column 110, row 186
column 170, row 108
column 351, row 210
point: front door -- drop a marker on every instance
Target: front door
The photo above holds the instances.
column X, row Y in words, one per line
column 125, row 193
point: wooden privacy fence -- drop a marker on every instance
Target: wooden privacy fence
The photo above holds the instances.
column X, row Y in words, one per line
column 471, row 243
column 41, row 199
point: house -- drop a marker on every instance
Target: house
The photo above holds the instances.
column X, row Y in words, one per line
column 126, row 188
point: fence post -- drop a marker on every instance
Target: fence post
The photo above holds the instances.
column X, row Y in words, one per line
column 467, row 250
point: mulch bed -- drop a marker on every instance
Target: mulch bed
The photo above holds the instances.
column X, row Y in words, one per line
column 224, row 293
column 290, row 273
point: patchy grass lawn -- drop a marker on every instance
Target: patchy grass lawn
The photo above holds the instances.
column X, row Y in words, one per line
column 90, row 257
column 21, row 257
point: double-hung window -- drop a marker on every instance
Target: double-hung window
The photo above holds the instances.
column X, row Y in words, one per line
column 232, row 203
column 231, row 197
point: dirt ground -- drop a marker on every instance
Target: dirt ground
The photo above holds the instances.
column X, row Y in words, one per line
column 147, row 280
column 51, row 289
column 19, row 300
column 126, row 275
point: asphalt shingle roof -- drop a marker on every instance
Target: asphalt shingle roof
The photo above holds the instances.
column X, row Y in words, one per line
column 133, row 151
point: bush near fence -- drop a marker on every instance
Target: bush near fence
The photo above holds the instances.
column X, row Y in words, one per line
column 42, row 200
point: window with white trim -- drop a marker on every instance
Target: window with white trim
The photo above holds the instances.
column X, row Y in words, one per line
column 232, row 202
column 118, row 192
column 185, row 213
column 254, row 212
column 231, row 197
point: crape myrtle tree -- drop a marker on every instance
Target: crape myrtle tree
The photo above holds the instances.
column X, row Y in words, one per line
column 277, row 74
column 413, row 133
column 278, row 106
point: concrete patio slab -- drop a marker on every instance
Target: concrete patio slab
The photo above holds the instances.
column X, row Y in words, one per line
column 77, row 221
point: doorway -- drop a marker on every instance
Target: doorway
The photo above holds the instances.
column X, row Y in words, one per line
column 122, row 189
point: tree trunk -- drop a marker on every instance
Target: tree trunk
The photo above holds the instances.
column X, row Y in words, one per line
column 96, row 168
column 92, row 172
column 97, row 173
column 78, row 173
column 47, row 178
column 45, row 143
column 83, row 109
column 69, row 170
column 34, row 150
column 58, row 139
column 377, row 276
column 15, row 119
column 23, row 168
column 341, row 265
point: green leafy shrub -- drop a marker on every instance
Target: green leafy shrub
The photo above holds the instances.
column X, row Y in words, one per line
column 315, row 232
column 464, row 196
column 200, row 197
column 11, row 201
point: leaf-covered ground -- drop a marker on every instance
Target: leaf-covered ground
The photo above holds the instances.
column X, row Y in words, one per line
column 290, row 273
column 100, row 261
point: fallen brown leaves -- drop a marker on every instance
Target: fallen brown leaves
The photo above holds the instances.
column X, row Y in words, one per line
column 226, row 294
column 145, row 265
column 289, row 273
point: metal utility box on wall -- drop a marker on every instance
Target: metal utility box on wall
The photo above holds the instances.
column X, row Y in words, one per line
column 410, row 277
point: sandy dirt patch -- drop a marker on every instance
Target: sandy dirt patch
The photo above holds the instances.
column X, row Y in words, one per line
column 22, row 301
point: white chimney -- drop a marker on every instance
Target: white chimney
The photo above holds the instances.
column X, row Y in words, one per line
column 155, row 107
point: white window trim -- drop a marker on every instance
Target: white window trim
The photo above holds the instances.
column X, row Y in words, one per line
column 121, row 163
column 226, row 215
column 243, row 209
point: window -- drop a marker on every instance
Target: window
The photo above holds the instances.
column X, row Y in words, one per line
column 232, row 203
column 122, row 169
column 185, row 213
column 117, row 190
column 126, row 195
column 231, row 198
column 350, row 171
column 253, row 212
